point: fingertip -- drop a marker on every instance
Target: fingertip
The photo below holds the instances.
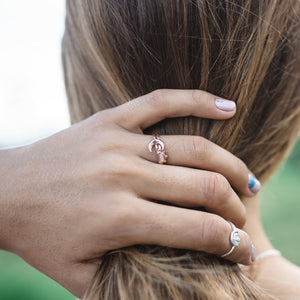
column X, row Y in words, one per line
column 253, row 184
column 249, row 260
column 227, row 106
column 250, row 185
column 248, row 251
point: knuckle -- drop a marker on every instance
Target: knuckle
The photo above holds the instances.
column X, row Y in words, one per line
column 217, row 189
column 221, row 187
column 103, row 117
column 106, row 163
column 197, row 148
column 194, row 189
column 111, row 140
column 124, row 213
column 121, row 220
column 114, row 166
column 198, row 96
column 157, row 97
column 213, row 232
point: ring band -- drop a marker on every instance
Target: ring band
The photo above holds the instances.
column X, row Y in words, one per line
column 234, row 239
column 159, row 148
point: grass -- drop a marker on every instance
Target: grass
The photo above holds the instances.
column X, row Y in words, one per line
column 280, row 207
column 19, row 281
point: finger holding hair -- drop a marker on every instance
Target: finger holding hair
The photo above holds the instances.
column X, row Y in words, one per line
column 200, row 153
column 187, row 187
column 167, row 226
column 151, row 108
column 189, row 229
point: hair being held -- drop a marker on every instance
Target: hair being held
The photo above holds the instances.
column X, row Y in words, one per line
column 248, row 50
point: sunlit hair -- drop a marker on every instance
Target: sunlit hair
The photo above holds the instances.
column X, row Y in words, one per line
column 246, row 50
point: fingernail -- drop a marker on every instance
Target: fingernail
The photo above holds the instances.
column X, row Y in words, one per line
column 253, row 184
column 225, row 105
column 253, row 254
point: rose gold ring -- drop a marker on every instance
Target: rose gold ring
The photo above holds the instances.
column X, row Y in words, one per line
column 159, row 148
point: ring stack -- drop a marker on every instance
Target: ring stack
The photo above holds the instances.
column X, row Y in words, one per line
column 234, row 239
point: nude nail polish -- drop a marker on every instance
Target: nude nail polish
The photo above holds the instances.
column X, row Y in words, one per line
column 225, row 105
column 253, row 184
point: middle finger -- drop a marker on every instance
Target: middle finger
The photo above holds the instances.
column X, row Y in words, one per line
column 200, row 153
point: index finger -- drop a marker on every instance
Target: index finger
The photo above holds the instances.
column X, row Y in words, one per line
column 151, row 108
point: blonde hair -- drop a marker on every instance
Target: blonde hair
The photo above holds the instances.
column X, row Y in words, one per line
column 245, row 50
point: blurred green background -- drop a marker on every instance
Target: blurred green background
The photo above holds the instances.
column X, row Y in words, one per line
column 280, row 214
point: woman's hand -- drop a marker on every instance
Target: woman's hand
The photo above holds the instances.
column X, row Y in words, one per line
column 69, row 198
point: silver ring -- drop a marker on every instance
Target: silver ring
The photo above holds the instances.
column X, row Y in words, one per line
column 234, row 239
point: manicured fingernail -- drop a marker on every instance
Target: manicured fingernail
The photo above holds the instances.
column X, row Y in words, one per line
column 253, row 184
column 225, row 105
column 253, row 254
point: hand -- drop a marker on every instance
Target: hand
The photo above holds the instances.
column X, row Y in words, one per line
column 69, row 198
